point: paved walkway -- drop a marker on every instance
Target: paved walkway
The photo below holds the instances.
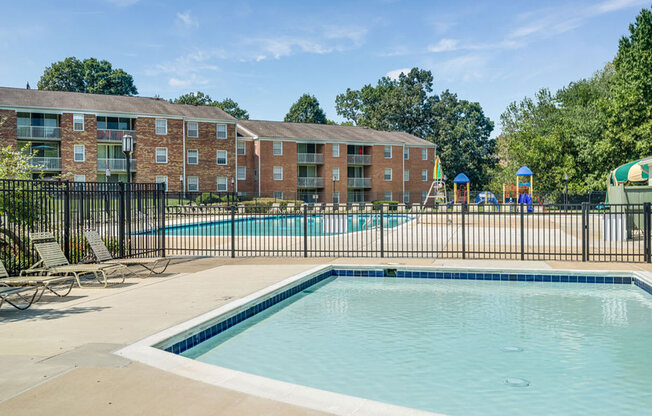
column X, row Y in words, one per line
column 57, row 356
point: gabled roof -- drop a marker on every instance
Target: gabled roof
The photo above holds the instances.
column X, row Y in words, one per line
column 60, row 100
column 328, row 132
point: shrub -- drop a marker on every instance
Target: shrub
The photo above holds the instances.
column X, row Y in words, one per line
column 391, row 205
column 208, row 198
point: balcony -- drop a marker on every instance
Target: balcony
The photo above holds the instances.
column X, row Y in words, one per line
column 310, row 158
column 310, row 182
column 116, row 165
column 39, row 132
column 359, row 182
column 114, row 135
column 358, row 159
column 46, row 163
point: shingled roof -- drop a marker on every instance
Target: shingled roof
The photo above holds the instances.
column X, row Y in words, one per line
column 328, row 132
column 20, row 97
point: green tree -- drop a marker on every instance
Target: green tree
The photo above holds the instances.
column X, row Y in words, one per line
column 193, row 98
column 90, row 75
column 232, row 108
column 458, row 127
column 306, row 110
column 199, row 98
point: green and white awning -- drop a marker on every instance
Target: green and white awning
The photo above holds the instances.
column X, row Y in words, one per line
column 632, row 172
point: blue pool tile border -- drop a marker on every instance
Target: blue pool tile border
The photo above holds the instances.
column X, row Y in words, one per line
column 227, row 323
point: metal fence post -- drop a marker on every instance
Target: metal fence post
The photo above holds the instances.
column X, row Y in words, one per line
column 646, row 231
column 121, row 220
column 584, row 228
column 305, row 230
column 162, row 203
column 382, row 231
column 232, row 231
column 463, row 231
column 522, row 215
column 66, row 219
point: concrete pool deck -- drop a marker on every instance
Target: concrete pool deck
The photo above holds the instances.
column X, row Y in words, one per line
column 57, row 357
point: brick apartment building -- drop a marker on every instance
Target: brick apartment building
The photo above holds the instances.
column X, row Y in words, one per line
column 204, row 149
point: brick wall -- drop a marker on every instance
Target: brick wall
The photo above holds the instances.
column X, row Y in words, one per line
column 289, row 163
column 8, row 127
column 145, row 152
column 378, row 184
column 326, row 171
column 415, row 165
column 250, row 161
column 87, row 138
column 207, row 145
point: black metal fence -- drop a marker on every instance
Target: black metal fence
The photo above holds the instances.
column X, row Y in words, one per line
column 130, row 218
column 573, row 232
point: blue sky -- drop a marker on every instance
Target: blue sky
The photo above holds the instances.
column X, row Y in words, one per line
column 266, row 54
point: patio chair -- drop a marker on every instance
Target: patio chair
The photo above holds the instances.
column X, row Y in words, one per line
column 316, row 207
column 103, row 256
column 368, row 207
column 37, row 282
column 291, row 207
column 276, row 208
column 328, row 207
column 355, row 207
column 54, row 262
column 401, row 207
column 19, row 297
column 416, row 208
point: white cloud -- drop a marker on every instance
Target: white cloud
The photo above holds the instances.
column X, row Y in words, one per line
column 186, row 70
column 466, row 67
column 187, row 82
column 187, row 20
column 395, row 73
column 613, row 5
column 444, row 45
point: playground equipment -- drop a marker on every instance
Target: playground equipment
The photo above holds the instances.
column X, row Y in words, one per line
column 461, row 194
column 437, row 189
column 522, row 192
column 486, row 197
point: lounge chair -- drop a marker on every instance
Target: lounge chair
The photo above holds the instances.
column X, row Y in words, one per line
column 401, row 207
column 54, row 263
column 276, row 208
column 49, row 283
column 291, row 207
column 103, row 256
column 19, row 297
column 316, row 207
column 328, row 207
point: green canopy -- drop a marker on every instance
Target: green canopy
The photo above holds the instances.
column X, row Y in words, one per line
column 633, row 172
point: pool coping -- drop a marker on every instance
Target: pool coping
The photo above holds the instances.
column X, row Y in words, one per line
column 150, row 350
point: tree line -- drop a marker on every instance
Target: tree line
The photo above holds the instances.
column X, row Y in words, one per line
column 583, row 130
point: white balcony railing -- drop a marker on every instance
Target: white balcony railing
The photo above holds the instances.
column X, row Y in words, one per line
column 358, row 159
column 109, row 135
column 46, row 163
column 310, row 158
column 38, row 132
column 116, row 165
column 310, row 182
column 359, row 182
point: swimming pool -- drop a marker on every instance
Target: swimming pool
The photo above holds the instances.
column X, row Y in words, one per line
column 288, row 225
column 450, row 341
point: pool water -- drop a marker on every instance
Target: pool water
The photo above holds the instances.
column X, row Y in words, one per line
column 289, row 225
column 455, row 347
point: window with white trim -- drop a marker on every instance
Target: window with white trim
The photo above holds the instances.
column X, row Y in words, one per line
column 222, row 184
column 406, row 175
column 406, row 153
column 80, row 178
column 278, row 195
column 78, row 122
column 242, row 148
column 221, row 131
column 336, row 197
column 406, row 197
column 161, row 126
column 388, row 152
column 424, row 175
column 336, row 150
column 221, row 157
column 193, row 129
column 161, row 155
column 388, row 174
column 278, row 173
column 277, row 149
column 193, row 184
column 79, row 153
column 336, row 174
column 388, row 195
column 163, row 180
column 193, row 157
column 424, row 154
column 242, row 173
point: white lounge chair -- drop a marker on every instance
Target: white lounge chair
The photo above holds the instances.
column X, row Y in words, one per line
column 156, row 265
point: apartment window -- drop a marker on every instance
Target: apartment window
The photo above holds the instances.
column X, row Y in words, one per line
column 278, row 195
column 115, row 123
column 161, row 155
column 388, row 174
column 193, row 129
column 78, row 122
column 388, row 152
column 406, row 175
column 79, row 153
column 388, row 195
column 277, row 149
column 221, row 157
column 424, row 194
column 80, row 178
column 193, row 184
column 193, row 157
column 336, row 197
column 161, row 126
column 406, row 197
column 222, row 184
column 242, row 148
column 163, row 180
column 255, row 174
column 336, row 174
column 424, row 154
column 406, row 153
column 221, row 131
column 278, row 173
column 336, row 150
column 424, row 175
column 242, row 173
